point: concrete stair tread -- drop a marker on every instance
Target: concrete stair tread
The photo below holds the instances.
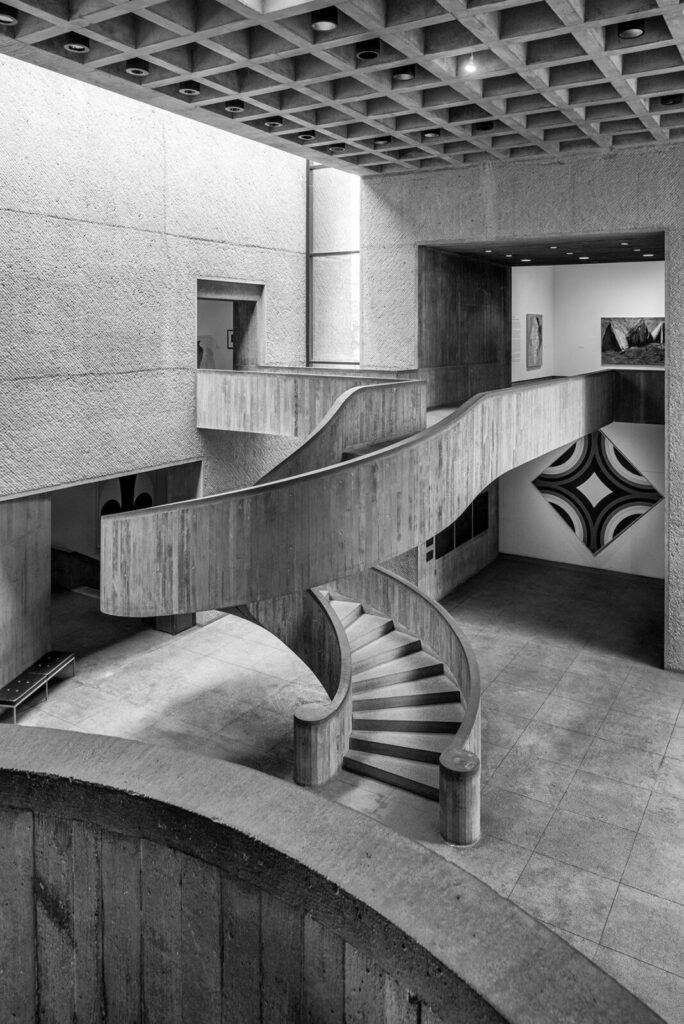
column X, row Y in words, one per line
column 412, row 775
column 412, row 692
column 408, row 666
column 346, row 611
column 367, row 629
column 414, row 746
column 428, row 718
column 383, row 648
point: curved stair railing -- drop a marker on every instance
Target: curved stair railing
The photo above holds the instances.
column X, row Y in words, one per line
column 284, row 537
column 369, row 413
column 459, row 764
column 307, row 625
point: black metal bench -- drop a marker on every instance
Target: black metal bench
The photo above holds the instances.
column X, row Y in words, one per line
column 52, row 664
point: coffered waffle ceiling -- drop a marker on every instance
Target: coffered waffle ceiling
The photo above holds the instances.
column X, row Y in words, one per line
column 554, row 77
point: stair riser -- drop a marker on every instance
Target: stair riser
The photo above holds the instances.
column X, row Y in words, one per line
column 367, row 637
column 432, row 792
column 388, row 725
column 413, row 700
column 350, row 616
column 403, row 676
column 392, row 750
column 361, row 663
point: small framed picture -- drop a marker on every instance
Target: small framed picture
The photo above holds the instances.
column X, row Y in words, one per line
column 229, row 338
column 534, row 347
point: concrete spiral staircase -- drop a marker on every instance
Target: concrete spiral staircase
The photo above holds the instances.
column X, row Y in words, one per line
column 405, row 707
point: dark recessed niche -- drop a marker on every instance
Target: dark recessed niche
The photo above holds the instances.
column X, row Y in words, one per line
column 471, row 523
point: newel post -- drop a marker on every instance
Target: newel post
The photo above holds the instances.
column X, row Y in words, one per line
column 459, row 797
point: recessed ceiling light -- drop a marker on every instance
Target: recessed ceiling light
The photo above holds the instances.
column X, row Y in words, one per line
column 525, row 259
column 306, row 136
column 488, row 250
column 235, row 107
column 483, row 126
column 405, row 74
column 382, row 140
column 631, row 29
column 137, row 67
column 648, row 256
column 432, row 133
column 273, row 122
column 470, row 67
column 584, row 257
column 553, row 247
column 324, row 20
column 368, row 50
column 337, row 147
column 673, row 100
column 625, row 243
column 189, row 88
column 637, row 250
column 569, row 254
column 8, row 15
column 76, row 44
column 509, row 255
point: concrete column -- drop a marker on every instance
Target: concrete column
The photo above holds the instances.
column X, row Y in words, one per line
column 24, row 583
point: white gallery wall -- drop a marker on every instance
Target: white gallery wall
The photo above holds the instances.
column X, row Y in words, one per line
column 572, row 300
column 528, row 525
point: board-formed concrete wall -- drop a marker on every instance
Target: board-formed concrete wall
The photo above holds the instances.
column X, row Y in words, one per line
column 637, row 191
column 109, row 212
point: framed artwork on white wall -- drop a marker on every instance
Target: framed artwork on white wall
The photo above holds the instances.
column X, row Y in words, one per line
column 637, row 341
column 534, row 343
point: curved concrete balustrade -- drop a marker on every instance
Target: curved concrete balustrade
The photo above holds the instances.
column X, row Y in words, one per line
column 413, row 611
column 145, row 883
column 363, row 415
column 306, row 623
column 287, row 536
column 286, row 403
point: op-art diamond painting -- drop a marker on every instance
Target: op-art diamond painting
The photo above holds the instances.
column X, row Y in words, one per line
column 596, row 490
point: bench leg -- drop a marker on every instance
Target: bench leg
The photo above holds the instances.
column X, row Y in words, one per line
column 14, row 712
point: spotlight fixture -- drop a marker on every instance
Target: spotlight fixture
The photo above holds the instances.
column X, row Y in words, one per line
column 648, row 256
column 631, row 29
column 569, row 254
column 189, row 89
column 8, row 15
column 273, row 122
column 137, row 67
column 405, row 74
column 76, row 44
column 382, row 140
column 483, row 126
column 625, row 243
column 470, row 67
column 432, row 133
column 306, row 136
column 526, row 259
column 553, row 247
column 324, row 20
column 368, row 50
column 637, row 250
column 509, row 255
column 488, row 250
column 336, row 148
column 673, row 100
column 235, row 107
column 584, row 257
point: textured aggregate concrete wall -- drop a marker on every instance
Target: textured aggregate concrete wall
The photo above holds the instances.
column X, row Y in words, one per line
column 109, row 212
column 635, row 191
